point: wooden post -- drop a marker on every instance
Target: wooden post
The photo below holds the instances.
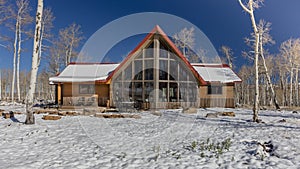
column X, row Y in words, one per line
column 156, row 70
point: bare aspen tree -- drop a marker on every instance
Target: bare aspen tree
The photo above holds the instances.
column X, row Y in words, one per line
column 70, row 39
column 19, row 18
column 290, row 52
column 24, row 19
column 281, row 67
column 264, row 39
column 185, row 40
column 297, row 56
column 35, row 61
column 201, row 53
column 55, row 60
column 228, row 54
column 47, row 25
column 45, row 41
column 249, row 8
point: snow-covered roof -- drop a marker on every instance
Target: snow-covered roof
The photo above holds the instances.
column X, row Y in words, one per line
column 92, row 72
column 84, row 73
column 216, row 73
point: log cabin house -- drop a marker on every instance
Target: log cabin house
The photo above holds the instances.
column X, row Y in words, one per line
column 154, row 75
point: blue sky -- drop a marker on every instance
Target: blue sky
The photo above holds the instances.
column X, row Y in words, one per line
column 222, row 21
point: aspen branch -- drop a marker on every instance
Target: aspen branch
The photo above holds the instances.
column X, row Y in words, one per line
column 244, row 7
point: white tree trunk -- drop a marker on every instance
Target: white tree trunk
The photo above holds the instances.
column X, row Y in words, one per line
column 250, row 11
column 18, row 62
column 14, row 62
column 35, row 61
column 274, row 99
column 291, row 86
column 256, row 100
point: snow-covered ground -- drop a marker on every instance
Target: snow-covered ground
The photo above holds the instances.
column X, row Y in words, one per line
column 173, row 140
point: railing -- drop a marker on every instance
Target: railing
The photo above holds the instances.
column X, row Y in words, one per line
column 81, row 101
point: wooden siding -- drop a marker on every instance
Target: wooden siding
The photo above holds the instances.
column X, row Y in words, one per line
column 71, row 96
column 226, row 99
column 102, row 90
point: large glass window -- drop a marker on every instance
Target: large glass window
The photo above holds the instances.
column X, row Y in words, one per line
column 86, row 89
column 163, row 51
column 138, row 91
column 138, row 67
column 149, row 51
column 163, row 70
column 149, row 74
column 163, row 93
column 141, row 80
column 148, row 68
column 128, row 72
column 173, row 89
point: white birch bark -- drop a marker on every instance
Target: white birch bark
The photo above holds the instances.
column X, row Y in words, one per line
column 250, row 11
column 274, row 99
column 18, row 62
column 14, row 61
column 35, row 61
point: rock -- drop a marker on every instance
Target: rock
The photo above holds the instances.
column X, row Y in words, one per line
column 72, row 113
column 62, row 113
column 295, row 112
column 190, row 111
column 211, row 115
column 51, row 117
column 8, row 115
column 230, row 114
column 53, row 112
column 282, row 121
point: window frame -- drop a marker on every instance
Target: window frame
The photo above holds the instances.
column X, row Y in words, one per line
column 214, row 89
column 90, row 89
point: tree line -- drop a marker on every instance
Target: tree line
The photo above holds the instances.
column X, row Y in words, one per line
column 269, row 79
column 56, row 50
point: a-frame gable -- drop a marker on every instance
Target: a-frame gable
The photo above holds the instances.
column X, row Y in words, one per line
column 147, row 40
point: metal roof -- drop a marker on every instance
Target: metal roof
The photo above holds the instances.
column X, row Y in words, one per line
column 216, row 73
column 84, row 73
